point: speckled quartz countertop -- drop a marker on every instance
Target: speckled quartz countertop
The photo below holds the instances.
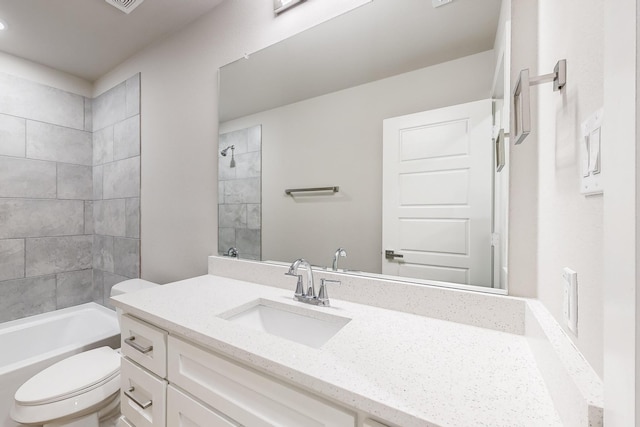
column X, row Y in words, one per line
column 406, row 369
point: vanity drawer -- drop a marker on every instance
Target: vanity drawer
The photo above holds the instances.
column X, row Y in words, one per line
column 183, row 410
column 143, row 396
column 144, row 344
column 249, row 397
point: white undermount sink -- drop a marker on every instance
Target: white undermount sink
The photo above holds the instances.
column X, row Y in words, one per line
column 308, row 327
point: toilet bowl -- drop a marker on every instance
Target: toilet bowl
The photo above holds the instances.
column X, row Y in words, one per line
column 80, row 391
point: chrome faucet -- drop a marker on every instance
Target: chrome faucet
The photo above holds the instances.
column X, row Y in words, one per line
column 232, row 252
column 309, row 296
column 293, row 271
column 340, row 252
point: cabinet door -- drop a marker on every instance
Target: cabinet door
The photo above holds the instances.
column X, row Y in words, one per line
column 184, row 411
column 245, row 395
column 142, row 396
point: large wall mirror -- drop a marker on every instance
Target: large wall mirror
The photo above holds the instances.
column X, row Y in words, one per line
column 394, row 109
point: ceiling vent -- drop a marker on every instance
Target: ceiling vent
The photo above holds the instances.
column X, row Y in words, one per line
column 126, row 6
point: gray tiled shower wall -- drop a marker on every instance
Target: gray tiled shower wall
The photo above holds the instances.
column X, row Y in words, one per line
column 240, row 193
column 69, row 196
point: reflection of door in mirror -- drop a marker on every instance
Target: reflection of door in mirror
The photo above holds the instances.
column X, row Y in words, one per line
column 437, row 193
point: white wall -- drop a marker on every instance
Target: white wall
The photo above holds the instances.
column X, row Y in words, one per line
column 551, row 222
column 45, row 75
column 336, row 139
column 179, row 124
column 621, row 253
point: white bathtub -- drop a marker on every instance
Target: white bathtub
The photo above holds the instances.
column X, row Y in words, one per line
column 29, row 345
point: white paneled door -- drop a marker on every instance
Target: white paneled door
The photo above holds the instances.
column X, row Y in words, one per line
column 437, row 194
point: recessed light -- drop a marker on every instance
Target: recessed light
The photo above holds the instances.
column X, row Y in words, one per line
column 3, row 25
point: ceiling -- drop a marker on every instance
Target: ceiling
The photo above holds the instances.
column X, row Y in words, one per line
column 88, row 38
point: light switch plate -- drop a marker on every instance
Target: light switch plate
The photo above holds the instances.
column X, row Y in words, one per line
column 590, row 154
column 570, row 299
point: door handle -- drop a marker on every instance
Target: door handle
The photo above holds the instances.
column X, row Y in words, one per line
column 390, row 254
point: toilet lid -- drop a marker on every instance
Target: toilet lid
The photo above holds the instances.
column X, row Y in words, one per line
column 69, row 377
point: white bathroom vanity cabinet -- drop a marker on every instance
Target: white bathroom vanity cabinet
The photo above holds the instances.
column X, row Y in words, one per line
column 467, row 358
column 171, row 381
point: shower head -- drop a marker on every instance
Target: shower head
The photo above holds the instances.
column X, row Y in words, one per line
column 224, row 152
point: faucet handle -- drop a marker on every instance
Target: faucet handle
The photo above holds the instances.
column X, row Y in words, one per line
column 299, row 288
column 323, row 294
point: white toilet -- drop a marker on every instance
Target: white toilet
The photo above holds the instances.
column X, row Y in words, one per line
column 80, row 391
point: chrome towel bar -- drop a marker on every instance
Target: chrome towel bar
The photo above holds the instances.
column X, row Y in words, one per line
column 290, row 191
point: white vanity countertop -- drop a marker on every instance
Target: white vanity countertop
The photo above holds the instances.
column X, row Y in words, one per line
column 407, row 369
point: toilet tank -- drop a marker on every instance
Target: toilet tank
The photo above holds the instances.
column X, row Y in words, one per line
column 131, row 285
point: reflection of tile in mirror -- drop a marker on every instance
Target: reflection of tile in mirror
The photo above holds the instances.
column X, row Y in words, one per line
column 253, row 216
column 242, row 191
column 248, row 165
column 232, row 216
column 236, row 138
column 226, row 239
column 248, row 242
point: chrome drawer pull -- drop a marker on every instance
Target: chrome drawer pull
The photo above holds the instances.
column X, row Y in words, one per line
column 143, row 405
column 144, row 350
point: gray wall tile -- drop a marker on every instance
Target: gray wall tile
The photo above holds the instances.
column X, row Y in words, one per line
column 74, row 288
column 98, row 286
column 27, row 178
column 48, row 255
column 254, row 216
column 110, row 107
column 98, row 172
column 226, row 239
column 238, row 138
column 88, row 114
column 88, row 217
column 75, row 182
column 126, row 138
column 59, row 144
column 11, row 259
column 26, row 297
column 248, row 242
column 232, row 216
column 242, row 191
column 126, row 257
column 32, row 218
column 225, row 171
column 109, row 217
column 132, row 218
column 103, row 146
column 103, row 253
column 35, row 101
column 122, row 179
column 12, row 136
column 220, row 192
column 248, row 165
column 109, row 281
column 133, row 95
